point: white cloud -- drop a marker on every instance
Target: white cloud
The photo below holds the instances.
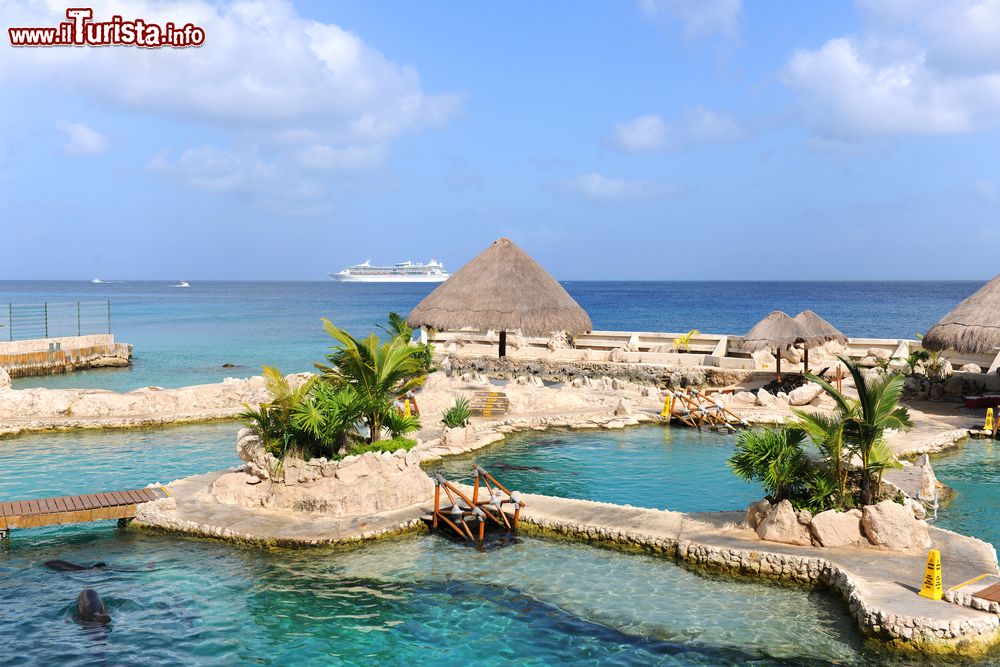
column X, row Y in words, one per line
column 322, row 96
column 323, row 156
column 262, row 65
column 644, row 134
column 82, row 139
column 649, row 134
column 919, row 68
column 602, row 189
column 700, row 18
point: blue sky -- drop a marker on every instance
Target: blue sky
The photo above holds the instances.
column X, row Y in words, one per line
column 663, row 139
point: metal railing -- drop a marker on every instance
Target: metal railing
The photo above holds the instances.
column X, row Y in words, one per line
column 26, row 321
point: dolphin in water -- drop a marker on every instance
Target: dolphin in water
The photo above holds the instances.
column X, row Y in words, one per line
column 90, row 607
column 66, row 566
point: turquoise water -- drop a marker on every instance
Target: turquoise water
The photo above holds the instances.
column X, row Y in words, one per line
column 410, row 600
column 184, row 336
column 664, row 468
column 973, row 471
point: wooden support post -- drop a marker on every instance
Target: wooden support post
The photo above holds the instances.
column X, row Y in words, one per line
column 805, row 361
column 437, row 504
column 482, row 530
column 517, row 515
column 778, row 356
column 503, row 344
column 475, row 488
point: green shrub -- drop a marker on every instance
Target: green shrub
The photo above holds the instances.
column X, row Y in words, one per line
column 390, row 446
column 458, row 414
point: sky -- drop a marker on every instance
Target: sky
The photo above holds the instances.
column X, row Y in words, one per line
column 658, row 139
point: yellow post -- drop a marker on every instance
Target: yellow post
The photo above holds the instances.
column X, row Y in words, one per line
column 988, row 426
column 406, row 406
column 668, row 404
column 933, row 589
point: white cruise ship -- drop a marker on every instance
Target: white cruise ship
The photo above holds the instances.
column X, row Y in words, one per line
column 403, row 272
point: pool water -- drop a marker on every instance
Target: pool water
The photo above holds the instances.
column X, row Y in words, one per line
column 664, row 468
column 411, row 600
column 973, row 471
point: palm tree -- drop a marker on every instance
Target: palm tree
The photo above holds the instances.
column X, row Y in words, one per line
column 272, row 421
column 827, row 433
column 380, row 372
column 398, row 327
column 684, row 340
column 866, row 419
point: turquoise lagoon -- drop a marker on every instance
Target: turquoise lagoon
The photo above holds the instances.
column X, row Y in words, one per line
column 409, row 600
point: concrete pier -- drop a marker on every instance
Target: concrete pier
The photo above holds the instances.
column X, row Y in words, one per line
column 49, row 356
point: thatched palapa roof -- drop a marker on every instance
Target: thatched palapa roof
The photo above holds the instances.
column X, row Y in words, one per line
column 817, row 329
column 502, row 289
column 973, row 326
column 775, row 332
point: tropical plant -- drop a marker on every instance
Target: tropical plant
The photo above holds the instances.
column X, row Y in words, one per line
column 329, row 416
column 774, row 457
column 866, row 419
column 458, row 414
column 272, row 420
column 398, row 424
column 684, row 340
column 917, row 357
column 380, row 372
column 398, row 327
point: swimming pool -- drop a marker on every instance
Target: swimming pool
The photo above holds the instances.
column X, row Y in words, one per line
column 651, row 466
column 410, row 600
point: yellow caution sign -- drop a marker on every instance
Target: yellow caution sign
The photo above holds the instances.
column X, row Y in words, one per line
column 988, row 426
column 933, row 588
column 668, row 404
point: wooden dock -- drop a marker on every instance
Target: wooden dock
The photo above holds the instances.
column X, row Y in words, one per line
column 120, row 505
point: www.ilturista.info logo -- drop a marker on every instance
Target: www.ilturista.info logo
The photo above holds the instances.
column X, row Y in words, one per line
column 80, row 30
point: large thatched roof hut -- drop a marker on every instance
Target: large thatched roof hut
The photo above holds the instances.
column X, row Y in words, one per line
column 776, row 333
column 502, row 289
column 973, row 326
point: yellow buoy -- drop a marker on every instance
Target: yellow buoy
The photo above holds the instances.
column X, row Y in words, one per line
column 988, row 426
column 933, row 588
column 668, row 404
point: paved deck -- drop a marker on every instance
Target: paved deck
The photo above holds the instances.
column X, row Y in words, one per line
column 194, row 511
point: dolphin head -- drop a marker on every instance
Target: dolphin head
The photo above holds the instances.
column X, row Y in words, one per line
column 90, row 607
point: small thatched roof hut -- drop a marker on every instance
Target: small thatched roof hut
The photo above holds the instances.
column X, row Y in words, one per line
column 818, row 330
column 502, row 289
column 776, row 333
column 973, row 326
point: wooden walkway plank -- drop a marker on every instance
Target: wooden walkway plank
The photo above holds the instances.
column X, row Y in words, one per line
column 83, row 508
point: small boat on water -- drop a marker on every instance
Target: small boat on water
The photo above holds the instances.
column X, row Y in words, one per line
column 182, row 283
column 97, row 281
column 403, row 272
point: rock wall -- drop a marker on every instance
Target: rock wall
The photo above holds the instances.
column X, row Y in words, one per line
column 39, row 408
column 567, row 371
column 887, row 524
column 353, row 486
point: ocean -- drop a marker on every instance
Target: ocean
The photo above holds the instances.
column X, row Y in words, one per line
column 185, row 336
